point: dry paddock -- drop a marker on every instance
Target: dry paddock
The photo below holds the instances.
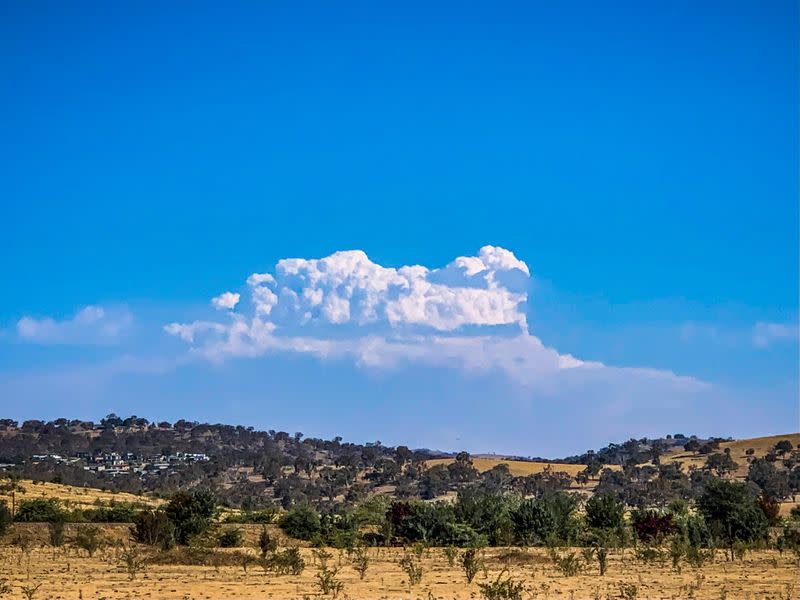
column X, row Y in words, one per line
column 70, row 574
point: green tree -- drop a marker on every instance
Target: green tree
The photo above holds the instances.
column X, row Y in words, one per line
column 191, row 513
column 533, row 522
column 731, row 511
column 302, row 522
column 721, row 464
column 603, row 511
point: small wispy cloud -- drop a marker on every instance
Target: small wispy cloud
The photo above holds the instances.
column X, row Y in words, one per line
column 768, row 334
column 92, row 325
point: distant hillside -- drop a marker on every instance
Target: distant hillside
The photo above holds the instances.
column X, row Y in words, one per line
column 252, row 469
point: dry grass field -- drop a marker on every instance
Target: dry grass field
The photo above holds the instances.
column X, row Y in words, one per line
column 71, row 496
column 518, row 468
column 67, row 574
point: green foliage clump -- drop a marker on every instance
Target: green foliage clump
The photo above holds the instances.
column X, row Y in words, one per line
column 40, row 510
column 731, row 512
column 604, row 512
column 302, row 523
column 230, row 537
column 286, row 562
column 191, row 513
column 154, row 528
column 502, row 588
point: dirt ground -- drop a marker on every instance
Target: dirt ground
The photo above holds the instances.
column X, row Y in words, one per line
column 68, row 574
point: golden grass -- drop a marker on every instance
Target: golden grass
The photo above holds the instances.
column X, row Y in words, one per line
column 760, row 446
column 518, row 468
column 72, row 496
column 68, row 574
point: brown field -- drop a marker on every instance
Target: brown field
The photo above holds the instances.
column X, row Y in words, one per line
column 760, row 447
column 518, row 468
column 68, row 574
column 71, row 496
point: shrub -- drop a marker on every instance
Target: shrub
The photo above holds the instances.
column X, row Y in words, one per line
column 191, row 513
column 89, row 539
column 604, row 512
column 569, row 564
column 302, row 522
column 132, row 560
column 287, row 562
column 471, row 563
column 326, row 580
column 266, row 543
column 230, row 538
column 5, row 517
column 502, row 588
column 360, row 561
column 40, row 510
column 651, row 526
column 117, row 513
column 154, row 528
column 410, row 564
column 55, row 533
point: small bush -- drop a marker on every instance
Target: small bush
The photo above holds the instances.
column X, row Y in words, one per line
column 411, row 566
column 471, row 563
column 266, row 542
column 230, row 538
column 154, row 528
column 569, row 564
column 360, row 560
column 132, row 560
column 89, row 539
column 502, row 588
column 55, row 533
column 302, row 522
column 288, row 562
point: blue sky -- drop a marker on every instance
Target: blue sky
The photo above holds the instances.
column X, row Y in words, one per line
column 639, row 159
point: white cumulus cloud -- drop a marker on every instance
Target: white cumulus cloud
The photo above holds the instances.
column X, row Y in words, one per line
column 469, row 314
column 225, row 301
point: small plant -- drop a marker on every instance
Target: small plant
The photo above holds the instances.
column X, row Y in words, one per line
column 230, row 538
column 132, row 560
column 569, row 564
column 88, row 538
column 628, row 591
column 55, row 531
column 601, row 552
column 5, row 587
column 648, row 554
column 471, row 563
column 502, row 588
column 677, row 550
column 29, row 591
column 696, row 556
column 266, row 542
column 410, row 564
column 327, row 582
column 360, row 560
column 451, row 553
column 288, row 562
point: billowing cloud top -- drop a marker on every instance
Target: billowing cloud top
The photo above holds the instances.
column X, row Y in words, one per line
column 348, row 288
column 470, row 313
